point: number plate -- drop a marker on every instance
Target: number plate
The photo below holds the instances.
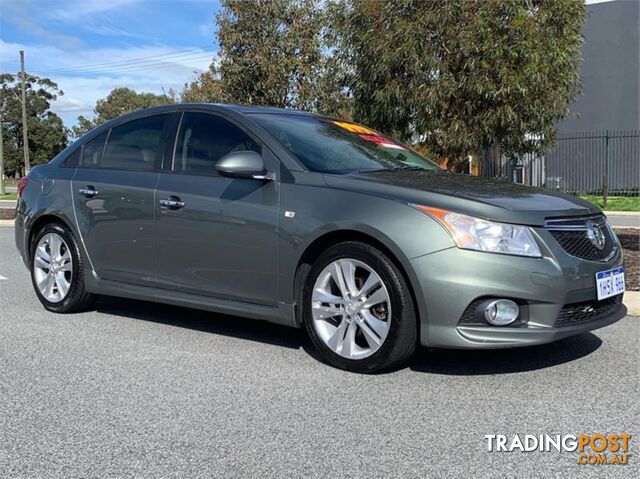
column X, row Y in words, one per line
column 610, row 283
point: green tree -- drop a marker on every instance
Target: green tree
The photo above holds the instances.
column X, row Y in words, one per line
column 270, row 51
column 47, row 134
column 270, row 54
column 205, row 88
column 119, row 102
column 461, row 77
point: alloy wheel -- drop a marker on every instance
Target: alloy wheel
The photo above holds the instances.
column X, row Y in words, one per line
column 351, row 308
column 53, row 267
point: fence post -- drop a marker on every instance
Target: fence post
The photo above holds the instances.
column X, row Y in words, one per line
column 605, row 176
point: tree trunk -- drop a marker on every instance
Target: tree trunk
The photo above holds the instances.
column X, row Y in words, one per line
column 490, row 162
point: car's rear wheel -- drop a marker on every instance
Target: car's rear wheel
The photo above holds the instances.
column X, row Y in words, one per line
column 57, row 272
column 358, row 310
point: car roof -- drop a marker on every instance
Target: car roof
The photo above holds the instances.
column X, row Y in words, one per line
column 215, row 107
column 242, row 109
column 264, row 109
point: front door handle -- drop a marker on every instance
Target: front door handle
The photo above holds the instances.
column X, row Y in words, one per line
column 173, row 203
column 88, row 191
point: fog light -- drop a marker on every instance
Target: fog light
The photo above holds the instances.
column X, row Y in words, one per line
column 501, row 312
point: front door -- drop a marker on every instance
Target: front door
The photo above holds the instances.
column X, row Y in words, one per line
column 216, row 236
column 113, row 194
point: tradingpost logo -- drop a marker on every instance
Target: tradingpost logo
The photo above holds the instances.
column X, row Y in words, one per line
column 592, row 449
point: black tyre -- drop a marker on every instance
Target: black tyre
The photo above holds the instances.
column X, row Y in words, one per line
column 358, row 310
column 57, row 270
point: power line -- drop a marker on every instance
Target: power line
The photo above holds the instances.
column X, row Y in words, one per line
column 131, row 68
column 128, row 61
column 128, row 67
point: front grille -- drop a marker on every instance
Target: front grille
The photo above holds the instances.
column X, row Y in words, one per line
column 578, row 313
column 577, row 244
column 574, row 237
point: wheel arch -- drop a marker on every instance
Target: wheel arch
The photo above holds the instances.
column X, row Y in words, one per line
column 38, row 223
column 331, row 238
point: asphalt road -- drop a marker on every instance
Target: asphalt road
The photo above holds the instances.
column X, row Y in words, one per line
column 136, row 389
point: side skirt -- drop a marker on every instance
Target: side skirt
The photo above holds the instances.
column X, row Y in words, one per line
column 283, row 314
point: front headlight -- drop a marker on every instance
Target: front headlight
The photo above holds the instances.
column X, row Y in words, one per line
column 482, row 235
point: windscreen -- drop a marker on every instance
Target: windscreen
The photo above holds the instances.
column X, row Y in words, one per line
column 332, row 146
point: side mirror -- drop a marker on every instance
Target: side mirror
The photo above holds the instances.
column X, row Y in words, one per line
column 242, row 164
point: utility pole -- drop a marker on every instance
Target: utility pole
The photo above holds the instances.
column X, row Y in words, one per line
column 25, row 137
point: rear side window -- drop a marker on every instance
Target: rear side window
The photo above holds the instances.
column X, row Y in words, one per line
column 73, row 160
column 136, row 145
column 93, row 150
column 203, row 139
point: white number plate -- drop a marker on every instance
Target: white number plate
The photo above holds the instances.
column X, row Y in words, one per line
column 610, row 283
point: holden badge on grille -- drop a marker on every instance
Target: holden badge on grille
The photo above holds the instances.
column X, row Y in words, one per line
column 595, row 235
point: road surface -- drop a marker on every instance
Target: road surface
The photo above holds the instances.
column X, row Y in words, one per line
column 142, row 390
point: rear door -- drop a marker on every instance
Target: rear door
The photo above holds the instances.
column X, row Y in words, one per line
column 113, row 192
column 220, row 237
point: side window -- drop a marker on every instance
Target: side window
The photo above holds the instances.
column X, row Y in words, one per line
column 136, row 145
column 92, row 151
column 73, row 160
column 203, row 139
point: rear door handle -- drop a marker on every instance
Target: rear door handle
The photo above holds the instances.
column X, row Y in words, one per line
column 88, row 191
column 173, row 203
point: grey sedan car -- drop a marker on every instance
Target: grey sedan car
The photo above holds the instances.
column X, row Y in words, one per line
column 313, row 222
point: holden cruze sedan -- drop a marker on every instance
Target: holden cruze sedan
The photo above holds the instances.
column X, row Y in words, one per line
column 313, row 222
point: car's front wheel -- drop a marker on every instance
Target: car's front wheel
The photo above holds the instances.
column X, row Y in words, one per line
column 358, row 310
column 57, row 272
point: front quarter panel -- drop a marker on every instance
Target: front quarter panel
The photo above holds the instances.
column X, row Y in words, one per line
column 310, row 209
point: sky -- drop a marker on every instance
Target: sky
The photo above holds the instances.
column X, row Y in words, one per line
column 89, row 47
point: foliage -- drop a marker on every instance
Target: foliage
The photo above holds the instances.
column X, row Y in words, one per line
column 47, row 134
column 271, row 53
column 205, row 88
column 462, row 78
column 333, row 96
column 119, row 102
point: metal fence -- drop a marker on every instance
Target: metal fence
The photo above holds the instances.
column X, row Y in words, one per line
column 586, row 163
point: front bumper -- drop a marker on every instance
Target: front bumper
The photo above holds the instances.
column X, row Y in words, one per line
column 450, row 280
